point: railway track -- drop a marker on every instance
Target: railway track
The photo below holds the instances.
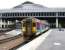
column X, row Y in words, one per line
column 8, row 41
column 7, row 44
column 13, row 42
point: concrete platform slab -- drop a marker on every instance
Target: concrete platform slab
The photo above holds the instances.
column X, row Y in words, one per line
column 55, row 41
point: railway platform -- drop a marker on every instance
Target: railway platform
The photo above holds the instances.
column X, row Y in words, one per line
column 54, row 39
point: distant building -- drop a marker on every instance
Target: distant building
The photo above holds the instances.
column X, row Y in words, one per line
column 55, row 16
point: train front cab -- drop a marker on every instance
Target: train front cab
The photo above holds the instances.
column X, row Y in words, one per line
column 29, row 28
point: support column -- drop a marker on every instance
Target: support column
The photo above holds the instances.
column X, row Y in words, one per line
column 16, row 24
column 4, row 23
column 8, row 23
column 1, row 23
column 56, row 22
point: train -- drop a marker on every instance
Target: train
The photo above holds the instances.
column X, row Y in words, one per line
column 31, row 26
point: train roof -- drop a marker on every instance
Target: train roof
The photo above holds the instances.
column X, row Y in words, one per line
column 36, row 20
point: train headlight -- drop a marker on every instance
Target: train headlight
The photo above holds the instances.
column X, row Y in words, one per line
column 34, row 29
column 23, row 29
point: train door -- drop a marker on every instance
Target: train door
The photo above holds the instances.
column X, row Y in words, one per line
column 33, row 27
column 28, row 26
column 38, row 26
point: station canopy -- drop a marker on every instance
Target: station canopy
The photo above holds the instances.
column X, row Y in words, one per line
column 29, row 5
column 32, row 7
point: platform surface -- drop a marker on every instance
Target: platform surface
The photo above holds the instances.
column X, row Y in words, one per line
column 10, row 34
column 54, row 41
column 32, row 45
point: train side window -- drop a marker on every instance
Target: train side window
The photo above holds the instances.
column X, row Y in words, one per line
column 24, row 24
column 34, row 24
